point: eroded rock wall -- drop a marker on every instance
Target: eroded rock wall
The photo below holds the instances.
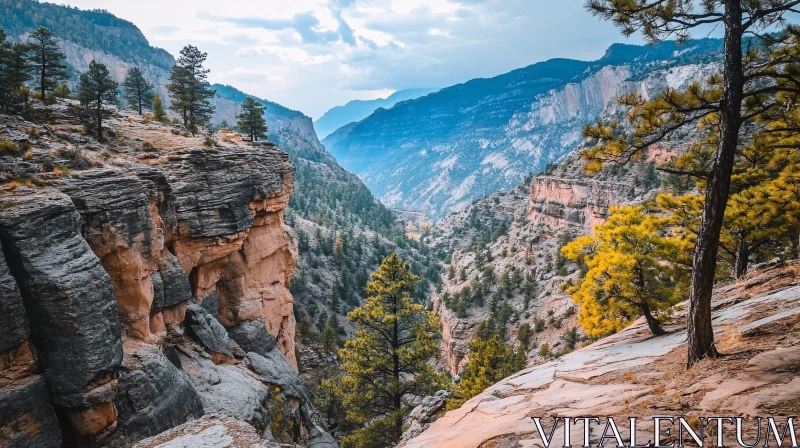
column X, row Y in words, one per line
column 559, row 202
column 98, row 271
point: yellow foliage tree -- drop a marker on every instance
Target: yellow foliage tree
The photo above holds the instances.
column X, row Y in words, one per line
column 637, row 267
column 762, row 215
column 389, row 358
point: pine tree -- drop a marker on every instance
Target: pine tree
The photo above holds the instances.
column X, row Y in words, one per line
column 48, row 59
column 15, row 71
column 95, row 90
column 158, row 109
column 329, row 339
column 251, row 120
column 524, row 335
column 490, row 360
column 224, row 124
column 389, row 356
column 137, row 90
column 730, row 100
column 62, row 91
column 636, row 268
column 191, row 92
column 338, row 250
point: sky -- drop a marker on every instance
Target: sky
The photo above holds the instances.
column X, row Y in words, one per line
column 312, row 55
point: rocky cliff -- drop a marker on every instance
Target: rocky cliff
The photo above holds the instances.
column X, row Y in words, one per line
column 145, row 283
column 632, row 374
column 561, row 202
column 438, row 153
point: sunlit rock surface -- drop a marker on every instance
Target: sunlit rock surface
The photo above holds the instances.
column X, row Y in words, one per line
column 757, row 326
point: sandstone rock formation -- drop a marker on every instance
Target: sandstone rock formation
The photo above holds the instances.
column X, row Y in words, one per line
column 558, row 202
column 632, row 373
column 424, row 414
column 152, row 247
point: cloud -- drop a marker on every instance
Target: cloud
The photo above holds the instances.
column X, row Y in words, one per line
column 305, row 24
column 164, row 30
column 316, row 54
column 344, row 29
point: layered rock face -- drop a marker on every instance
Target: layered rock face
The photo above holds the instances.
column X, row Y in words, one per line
column 559, row 202
column 147, row 290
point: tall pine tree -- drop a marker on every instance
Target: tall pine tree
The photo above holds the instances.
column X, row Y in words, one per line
column 739, row 93
column 191, row 92
column 137, row 90
column 251, row 119
column 48, row 60
column 15, row 71
column 95, row 90
column 389, row 356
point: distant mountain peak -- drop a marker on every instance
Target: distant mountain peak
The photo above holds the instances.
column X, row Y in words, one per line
column 357, row 110
column 437, row 153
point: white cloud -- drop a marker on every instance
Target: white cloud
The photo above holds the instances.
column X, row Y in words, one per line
column 315, row 54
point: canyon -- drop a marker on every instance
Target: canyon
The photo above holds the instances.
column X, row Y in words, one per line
column 438, row 153
column 146, row 287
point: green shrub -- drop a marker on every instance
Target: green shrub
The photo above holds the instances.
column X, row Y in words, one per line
column 8, row 148
column 544, row 350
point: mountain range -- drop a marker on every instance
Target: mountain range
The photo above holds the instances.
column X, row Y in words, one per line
column 438, row 153
column 357, row 110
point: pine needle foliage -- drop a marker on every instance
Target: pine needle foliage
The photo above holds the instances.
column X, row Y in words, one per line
column 637, row 267
column 490, row 360
column 389, row 358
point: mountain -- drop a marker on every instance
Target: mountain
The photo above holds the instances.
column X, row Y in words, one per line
column 90, row 35
column 437, row 153
column 357, row 110
column 518, row 233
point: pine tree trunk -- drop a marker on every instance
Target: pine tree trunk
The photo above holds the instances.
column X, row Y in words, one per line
column 99, row 120
column 43, row 72
column 652, row 322
column 699, row 328
column 398, row 423
column 742, row 256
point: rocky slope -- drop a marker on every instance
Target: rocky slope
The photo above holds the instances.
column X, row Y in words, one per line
column 437, row 153
column 519, row 233
column 756, row 321
column 358, row 110
column 146, row 284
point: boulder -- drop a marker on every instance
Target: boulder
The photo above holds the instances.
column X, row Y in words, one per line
column 207, row 329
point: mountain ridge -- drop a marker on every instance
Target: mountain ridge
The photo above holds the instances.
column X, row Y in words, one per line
column 484, row 135
column 357, row 110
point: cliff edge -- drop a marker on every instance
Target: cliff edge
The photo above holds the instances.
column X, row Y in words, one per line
column 144, row 283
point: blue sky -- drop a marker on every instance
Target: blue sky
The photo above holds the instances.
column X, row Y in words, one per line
column 312, row 55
